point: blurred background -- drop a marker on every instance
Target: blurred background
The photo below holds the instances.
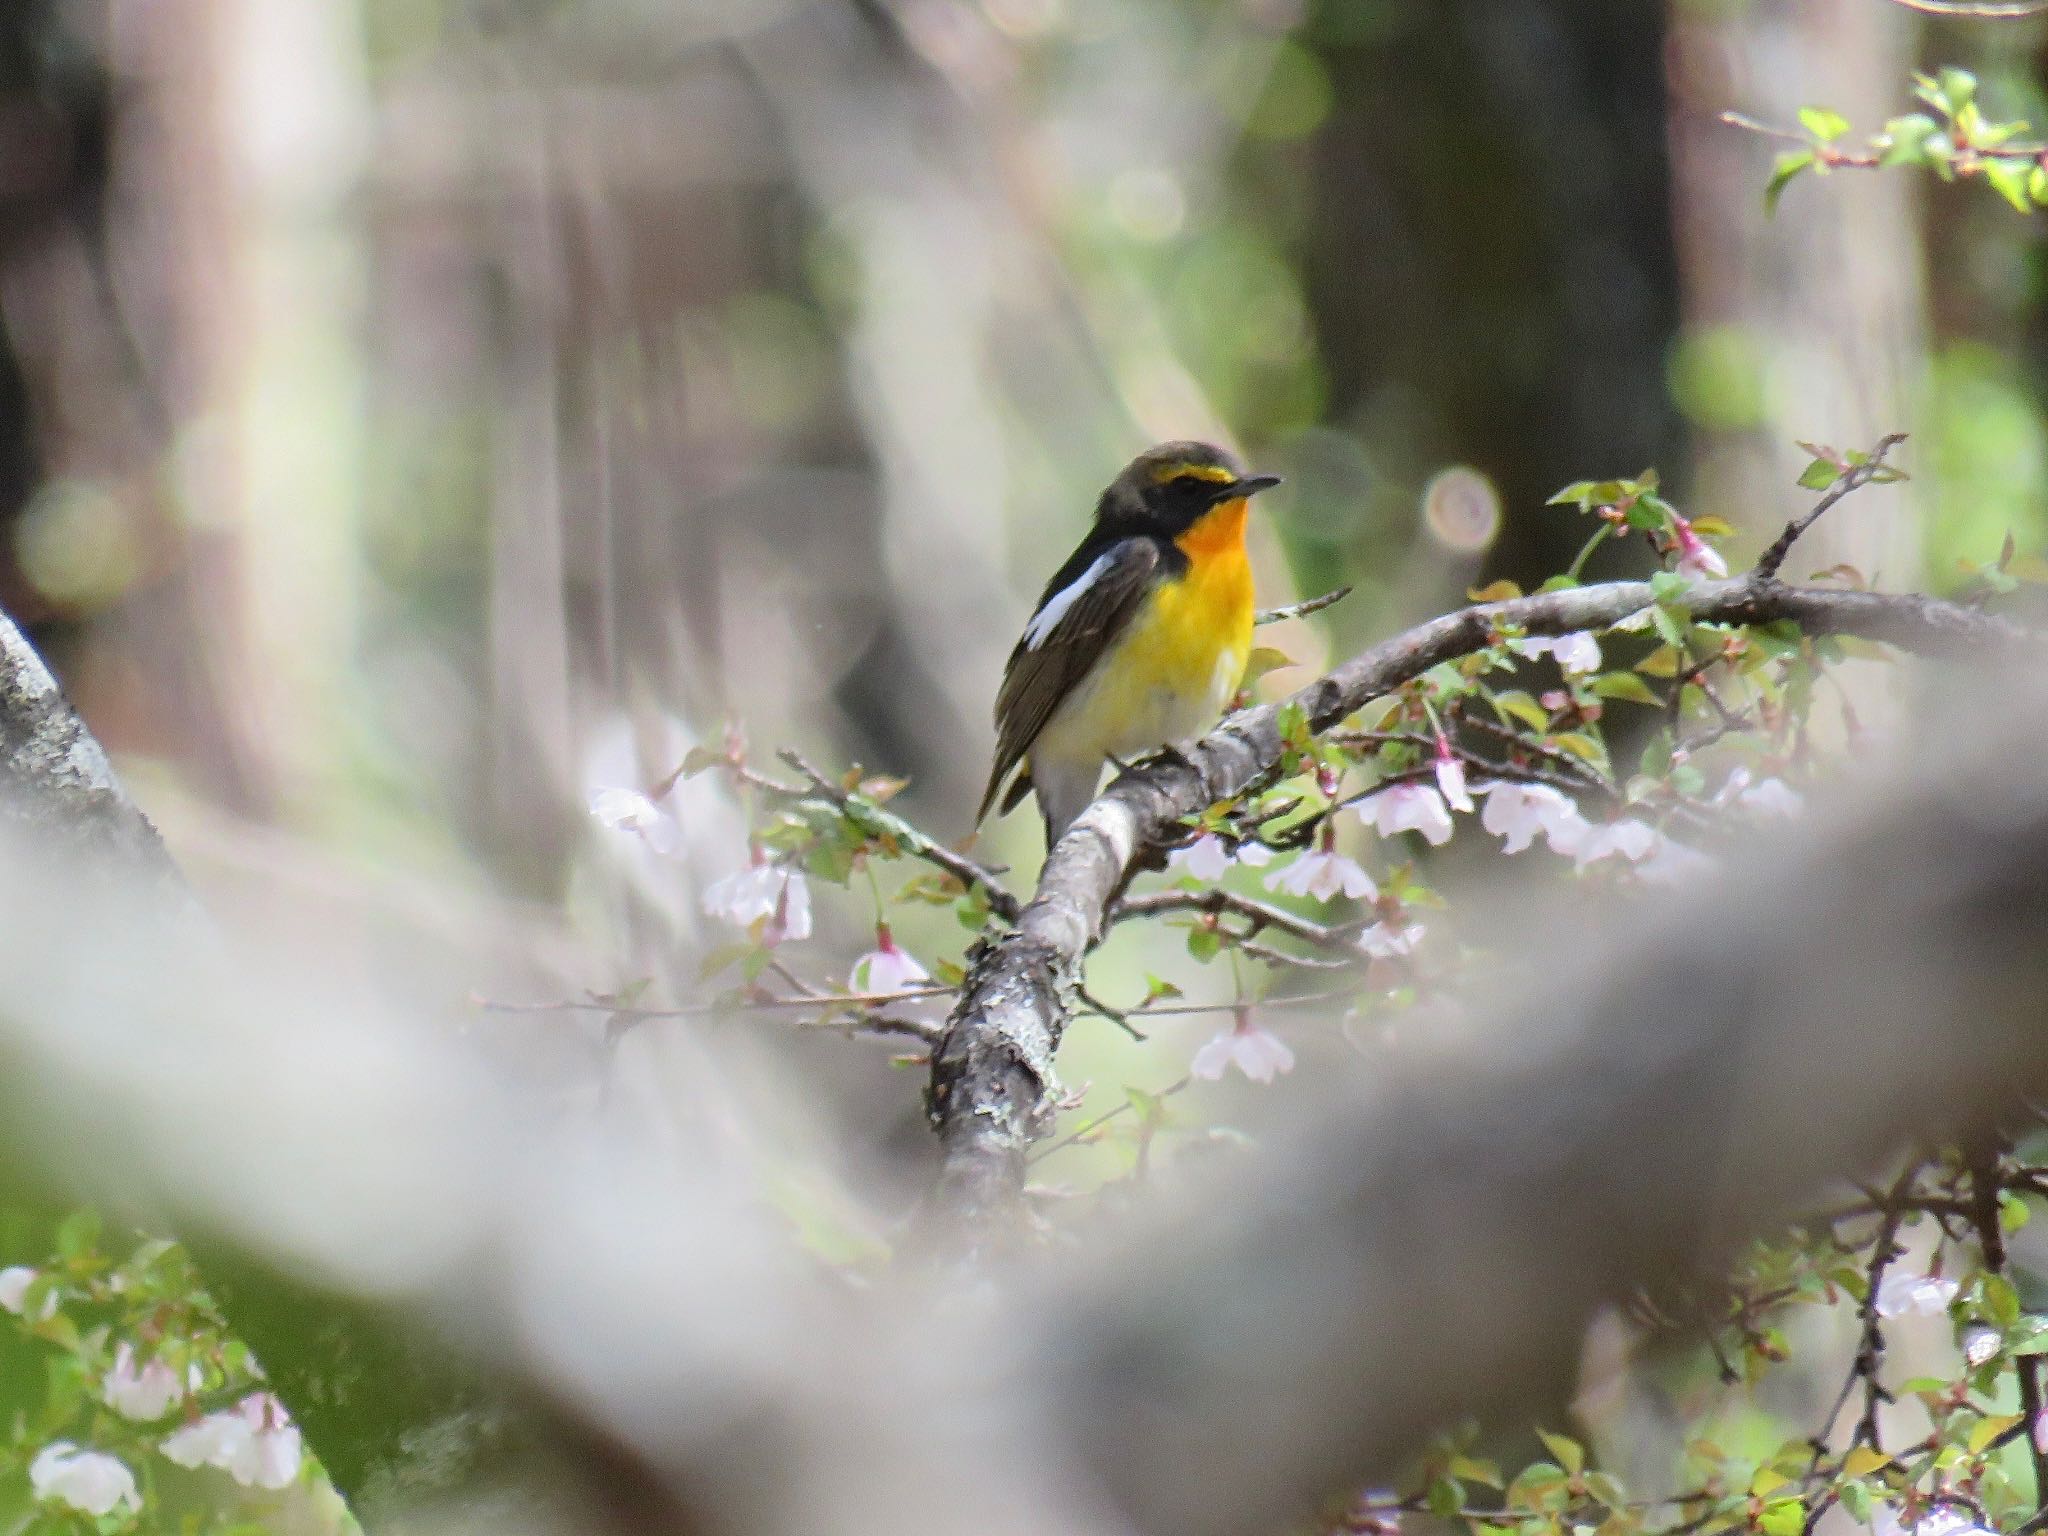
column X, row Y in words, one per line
column 416, row 414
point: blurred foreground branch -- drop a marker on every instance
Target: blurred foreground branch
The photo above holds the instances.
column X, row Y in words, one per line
column 364, row 1398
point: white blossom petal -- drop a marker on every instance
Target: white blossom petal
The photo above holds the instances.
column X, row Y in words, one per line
column 1519, row 813
column 1325, row 876
column 1632, row 839
column 1902, row 1292
column 628, row 810
column 255, row 1443
column 1577, row 652
column 1772, row 798
column 1258, row 1053
column 1450, row 783
column 1205, row 859
column 1672, row 863
column 891, row 969
column 1408, row 808
column 143, row 1392
column 91, row 1481
column 14, row 1283
column 1384, row 942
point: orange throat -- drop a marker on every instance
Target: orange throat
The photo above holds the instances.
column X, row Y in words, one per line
column 1217, row 532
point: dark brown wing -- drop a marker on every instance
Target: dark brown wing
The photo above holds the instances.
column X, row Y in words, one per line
column 1084, row 608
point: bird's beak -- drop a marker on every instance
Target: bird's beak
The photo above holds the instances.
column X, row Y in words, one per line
column 1250, row 485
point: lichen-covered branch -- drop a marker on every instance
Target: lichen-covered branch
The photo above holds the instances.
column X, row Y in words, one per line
column 992, row 1076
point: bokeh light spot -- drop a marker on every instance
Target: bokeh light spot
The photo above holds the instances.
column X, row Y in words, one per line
column 75, row 545
column 1461, row 509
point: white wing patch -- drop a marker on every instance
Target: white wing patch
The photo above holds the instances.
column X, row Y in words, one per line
column 1047, row 619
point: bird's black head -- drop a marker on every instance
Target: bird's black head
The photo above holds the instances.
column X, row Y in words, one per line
column 1168, row 487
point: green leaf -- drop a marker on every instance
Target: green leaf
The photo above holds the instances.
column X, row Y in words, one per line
column 1514, row 704
column 1820, row 475
column 1910, row 140
column 1579, row 744
column 1627, row 687
column 1264, row 659
column 1823, row 124
column 1569, row 1453
column 2001, row 1301
column 1958, row 88
column 1782, row 1517
column 1446, row 1498
column 1988, row 1429
column 1578, row 494
column 1789, row 165
column 1656, row 760
column 2013, row 1212
column 1855, row 1499
column 1204, row 943
column 2009, row 177
column 1473, row 1470
column 1497, row 592
column 1863, row 1460
column 1662, row 662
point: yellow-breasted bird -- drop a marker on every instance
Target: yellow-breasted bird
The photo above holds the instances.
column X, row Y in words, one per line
column 1139, row 639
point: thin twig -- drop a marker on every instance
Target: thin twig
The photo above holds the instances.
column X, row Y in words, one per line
column 1120, row 1017
column 1853, row 479
column 1302, row 610
column 967, row 871
column 1216, row 902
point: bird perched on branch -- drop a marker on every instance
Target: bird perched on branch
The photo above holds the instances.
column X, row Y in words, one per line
column 1140, row 638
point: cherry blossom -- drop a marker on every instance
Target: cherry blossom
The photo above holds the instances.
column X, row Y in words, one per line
column 91, row 1481
column 1450, row 776
column 1519, row 813
column 773, row 892
column 254, row 1442
column 1208, row 856
column 1257, row 1052
column 145, row 1392
column 1902, row 1292
column 887, row 967
column 1577, row 652
column 1772, row 798
column 1633, row 840
column 1943, row 1520
column 1325, row 874
column 629, row 810
column 14, row 1283
column 1672, row 863
column 1389, row 941
column 1696, row 558
column 1408, row 808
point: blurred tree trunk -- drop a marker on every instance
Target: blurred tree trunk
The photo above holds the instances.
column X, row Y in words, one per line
column 1811, row 325
column 1492, row 277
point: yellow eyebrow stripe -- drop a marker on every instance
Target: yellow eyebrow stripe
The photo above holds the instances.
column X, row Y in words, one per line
column 1181, row 470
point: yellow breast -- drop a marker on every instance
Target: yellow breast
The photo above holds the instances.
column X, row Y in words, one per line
column 1170, row 673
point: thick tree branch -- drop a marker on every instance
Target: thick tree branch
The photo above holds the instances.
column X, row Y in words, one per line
column 992, row 1077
